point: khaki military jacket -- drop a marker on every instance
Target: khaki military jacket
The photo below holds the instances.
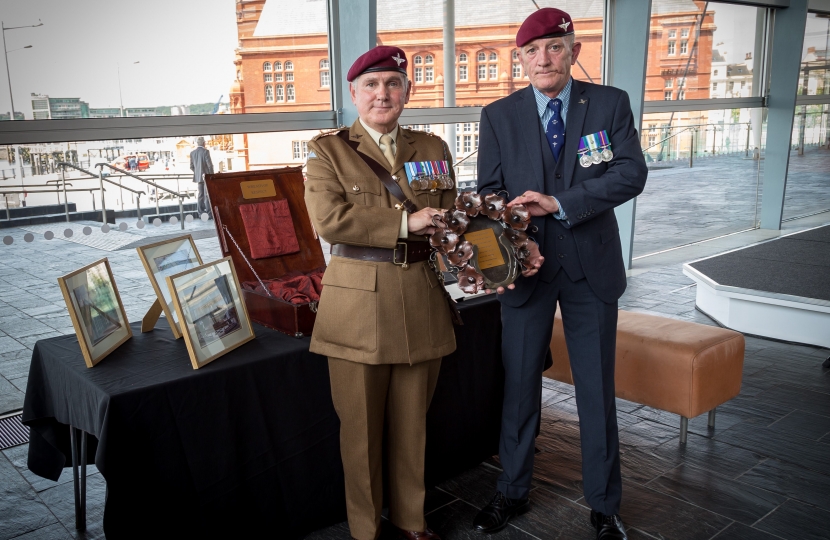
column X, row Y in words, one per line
column 374, row 313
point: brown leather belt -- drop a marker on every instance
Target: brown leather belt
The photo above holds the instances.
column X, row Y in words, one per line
column 404, row 254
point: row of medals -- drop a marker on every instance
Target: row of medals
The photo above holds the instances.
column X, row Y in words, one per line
column 438, row 181
column 587, row 159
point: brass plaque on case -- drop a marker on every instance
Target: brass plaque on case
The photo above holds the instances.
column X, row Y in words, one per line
column 258, row 189
column 489, row 254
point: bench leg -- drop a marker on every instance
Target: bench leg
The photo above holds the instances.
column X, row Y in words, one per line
column 712, row 418
column 684, row 428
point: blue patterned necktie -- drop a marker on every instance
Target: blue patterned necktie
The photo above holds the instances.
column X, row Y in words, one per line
column 555, row 130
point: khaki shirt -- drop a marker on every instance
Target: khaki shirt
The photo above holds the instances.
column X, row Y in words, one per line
column 374, row 313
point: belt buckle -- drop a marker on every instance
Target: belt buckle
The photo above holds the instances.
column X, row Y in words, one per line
column 405, row 263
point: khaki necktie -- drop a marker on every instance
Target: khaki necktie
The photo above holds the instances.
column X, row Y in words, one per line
column 386, row 140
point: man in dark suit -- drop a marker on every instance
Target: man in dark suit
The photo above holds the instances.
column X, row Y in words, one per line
column 569, row 151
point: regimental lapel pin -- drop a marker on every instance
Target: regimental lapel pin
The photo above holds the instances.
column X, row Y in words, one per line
column 565, row 24
column 583, row 101
column 398, row 60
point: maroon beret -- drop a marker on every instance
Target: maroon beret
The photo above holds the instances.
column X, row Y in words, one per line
column 381, row 58
column 545, row 22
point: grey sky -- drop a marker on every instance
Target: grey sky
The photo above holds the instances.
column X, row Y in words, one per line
column 185, row 49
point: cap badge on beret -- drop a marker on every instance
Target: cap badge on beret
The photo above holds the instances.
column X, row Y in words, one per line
column 398, row 60
column 565, row 24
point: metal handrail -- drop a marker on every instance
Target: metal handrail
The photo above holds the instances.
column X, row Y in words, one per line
column 126, row 173
column 63, row 165
column 667, row 138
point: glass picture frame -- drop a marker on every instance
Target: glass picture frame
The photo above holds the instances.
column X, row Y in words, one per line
column 96, row 310
column 163, row 259
column 209, row 303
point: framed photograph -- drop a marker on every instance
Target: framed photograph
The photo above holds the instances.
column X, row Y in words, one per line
column 208, row 302
column 96, row 310
column 167, row 258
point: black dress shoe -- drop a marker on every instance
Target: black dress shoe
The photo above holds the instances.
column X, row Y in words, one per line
column 608, row 527
column 494, row 516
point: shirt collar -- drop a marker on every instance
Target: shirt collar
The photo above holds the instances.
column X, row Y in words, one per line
column 542, row 100
column 376, row 135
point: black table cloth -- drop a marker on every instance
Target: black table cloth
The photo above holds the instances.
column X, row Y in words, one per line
column 249, row 442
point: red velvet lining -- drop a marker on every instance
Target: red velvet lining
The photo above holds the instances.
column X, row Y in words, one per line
column 269, row 228
column 293, row 287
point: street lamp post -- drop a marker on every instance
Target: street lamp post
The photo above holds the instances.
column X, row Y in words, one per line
column 19, row 157
column 120, row 99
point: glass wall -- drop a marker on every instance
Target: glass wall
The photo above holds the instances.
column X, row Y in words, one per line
column 705, row 171
column 188, row 57
column 814, row 78
column 697, row 55
column 487, row 60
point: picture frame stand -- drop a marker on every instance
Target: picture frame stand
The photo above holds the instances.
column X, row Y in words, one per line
column 148, row 323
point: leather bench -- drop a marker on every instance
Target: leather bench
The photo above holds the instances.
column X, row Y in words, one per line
column 681, row 367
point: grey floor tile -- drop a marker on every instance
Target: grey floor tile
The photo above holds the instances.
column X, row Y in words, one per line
column 11, row 398
column 804, row 424
column 55, row 531
column 737, row 531
column 792, row 449
column 709, row 454
column 61, row 502
column 21, row 509
column 797, row 521
column 454, row 521
column 791, row 480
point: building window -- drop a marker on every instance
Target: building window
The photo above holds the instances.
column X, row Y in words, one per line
column 289, row 91
column 277, row 66
column 324, row 63
column 672, row 34
column 280, row 95
column 277, row 77
column 468, row 127
column 493, row 71
column 684, row 33
column 743, row 84
column 324, row 79
column 667, row 95
column 652, row 140
column 715, row 73
column 475, row 142
column 462, row 73
column 458, row 144
column 419, row 75
column 730, row 86
column 671, row 48
column 289, row 65
column 430, row 75
column 300, row 149
column 268, row 77
column 468, row 144
column 493, row 57
column 238, row 75
column 462, row 58
column 714, row 86
column 429, row 59
column 684, row 47
column 669, row 83
column 681, row 94
column 269, row 93
column 515, row 54
column 482, row 72
column 289, row 77
column 517, row 71
column 266, row 66
column 418, row 60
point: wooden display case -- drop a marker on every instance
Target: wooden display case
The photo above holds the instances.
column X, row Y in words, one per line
column 228, row 193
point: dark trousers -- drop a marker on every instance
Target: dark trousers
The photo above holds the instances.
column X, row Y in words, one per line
column 203, row 201
column 590, row 327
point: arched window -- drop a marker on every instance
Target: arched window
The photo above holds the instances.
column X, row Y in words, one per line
column 462, row 58
column 429, row 59
column 280, row 95
column 269, row 93
column 482, row 57
column 277, row 66
column 289, row 90
column 515, row 54
column 493, row 57
column 289, row 65
column 418, row 59
column 324, row 63
column 266, row 66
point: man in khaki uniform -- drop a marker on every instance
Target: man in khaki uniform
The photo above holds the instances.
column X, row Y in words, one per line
column 383, row 319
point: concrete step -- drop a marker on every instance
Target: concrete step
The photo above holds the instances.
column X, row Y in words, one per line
column 43, row 210
column 52, row 218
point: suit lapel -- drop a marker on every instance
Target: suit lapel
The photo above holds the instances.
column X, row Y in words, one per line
column 405, row 149
column 529, row 126
column 577, row 108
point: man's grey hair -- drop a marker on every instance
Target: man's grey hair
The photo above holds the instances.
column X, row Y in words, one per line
column 200, row 141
